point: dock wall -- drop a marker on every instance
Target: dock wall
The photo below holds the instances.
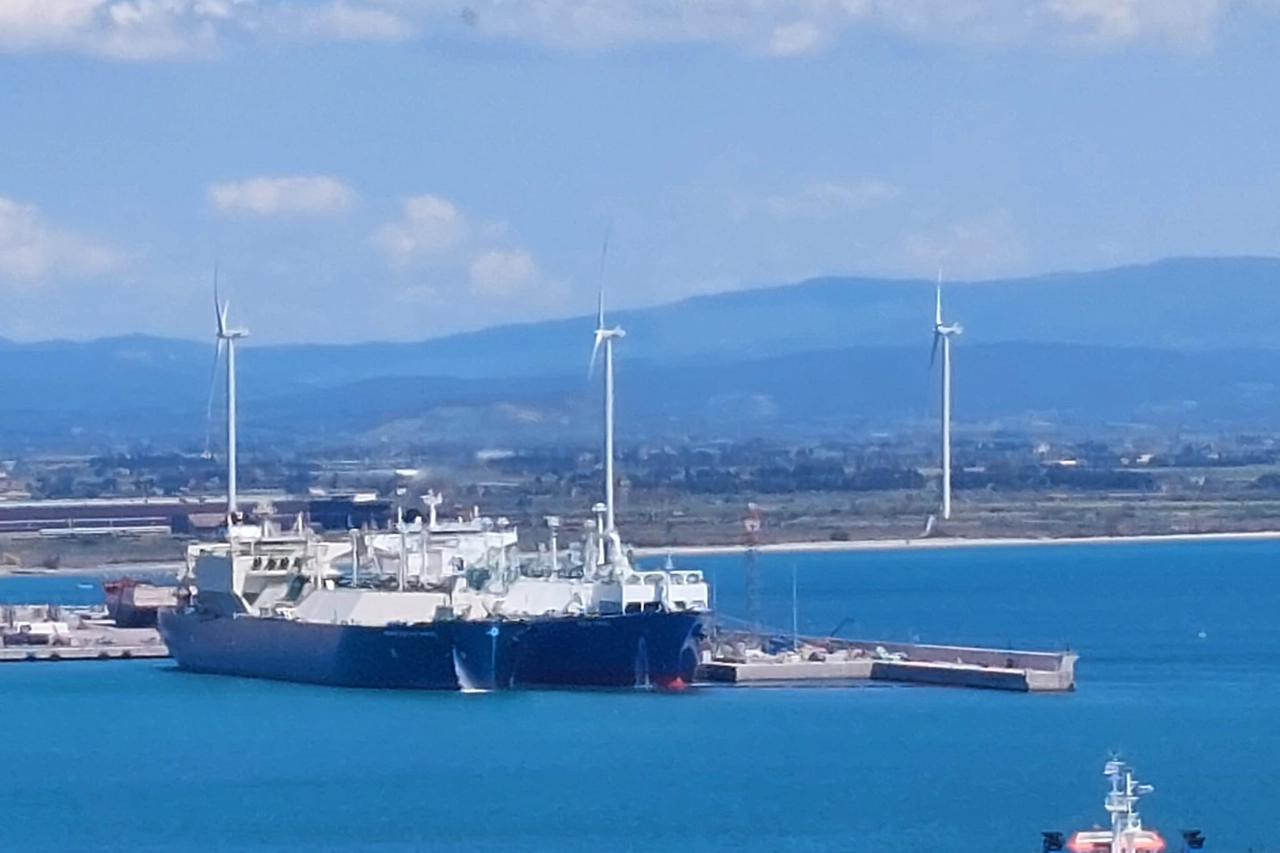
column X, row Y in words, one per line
column 826, row 659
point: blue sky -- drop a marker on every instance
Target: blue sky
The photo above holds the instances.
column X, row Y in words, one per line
column 377, row 169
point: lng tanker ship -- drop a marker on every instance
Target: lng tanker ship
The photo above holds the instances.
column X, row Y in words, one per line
column 439, row 606
column 272, row 604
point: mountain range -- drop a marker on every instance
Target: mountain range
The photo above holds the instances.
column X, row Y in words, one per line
column 1178, row 341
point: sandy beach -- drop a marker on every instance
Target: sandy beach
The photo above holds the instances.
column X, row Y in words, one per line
column 944, row 542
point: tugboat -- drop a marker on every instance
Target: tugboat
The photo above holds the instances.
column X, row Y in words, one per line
column 1127, row 834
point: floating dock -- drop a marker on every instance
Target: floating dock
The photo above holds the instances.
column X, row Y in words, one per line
column 732, row 660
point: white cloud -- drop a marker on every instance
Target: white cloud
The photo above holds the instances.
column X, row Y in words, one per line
column 498, row 272
column 344, row 21
column 291, row 195
column 166, row 29
column 130, row 30
column 796, row 27
column 31, row 250
column 429, row 225
column 795, row 39
column 433, row 237
column 818, row 198
column 982, row 246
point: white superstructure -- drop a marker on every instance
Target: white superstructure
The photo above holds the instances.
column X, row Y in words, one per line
column 1127, row 834
column 417, row 572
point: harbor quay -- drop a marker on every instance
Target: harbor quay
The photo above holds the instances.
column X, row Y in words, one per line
column 46, row 632
column 734, row 657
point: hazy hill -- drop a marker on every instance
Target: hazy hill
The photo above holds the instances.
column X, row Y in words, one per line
column 1175, row 304
column 802, row 394
column 1181, row 340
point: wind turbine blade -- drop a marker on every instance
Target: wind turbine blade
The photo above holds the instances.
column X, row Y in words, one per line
column 595, row 348
column 937, row 292
column 219, row 311
column 604, row 247
column 208, row 415
column 604, row 254
column 595, row 352
column 933, row 355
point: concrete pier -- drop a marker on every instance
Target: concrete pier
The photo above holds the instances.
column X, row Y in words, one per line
column 727, row 672
column 828, row 660
column 59, row 653
column 41, row 633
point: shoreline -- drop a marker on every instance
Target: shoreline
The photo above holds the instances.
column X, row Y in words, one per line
column 823, row 546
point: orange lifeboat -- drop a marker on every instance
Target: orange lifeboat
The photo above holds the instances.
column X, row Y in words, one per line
column 1099, row 841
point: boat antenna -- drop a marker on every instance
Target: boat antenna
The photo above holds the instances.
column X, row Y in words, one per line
column 553, row 524
column 355, row 558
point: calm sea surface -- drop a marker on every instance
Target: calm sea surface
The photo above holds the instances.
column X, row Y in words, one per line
column 1179, row 670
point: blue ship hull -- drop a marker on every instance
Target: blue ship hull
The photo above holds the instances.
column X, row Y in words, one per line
column 654, row 649
column 626, row 650
column 397, row 656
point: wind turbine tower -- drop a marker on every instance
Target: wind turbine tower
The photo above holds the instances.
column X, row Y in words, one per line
column 604, row 338
column 942, row 335
column 229, row 336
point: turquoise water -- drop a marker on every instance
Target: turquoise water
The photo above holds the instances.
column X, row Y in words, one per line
column 135, row 756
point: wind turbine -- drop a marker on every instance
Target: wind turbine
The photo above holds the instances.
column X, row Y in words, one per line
column 604, row 338
column 229, row 336
column 943, row 333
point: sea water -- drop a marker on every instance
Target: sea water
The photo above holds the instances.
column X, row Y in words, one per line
column 1179, row 672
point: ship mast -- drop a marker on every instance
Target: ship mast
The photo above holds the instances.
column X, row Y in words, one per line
column 1126, row 825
